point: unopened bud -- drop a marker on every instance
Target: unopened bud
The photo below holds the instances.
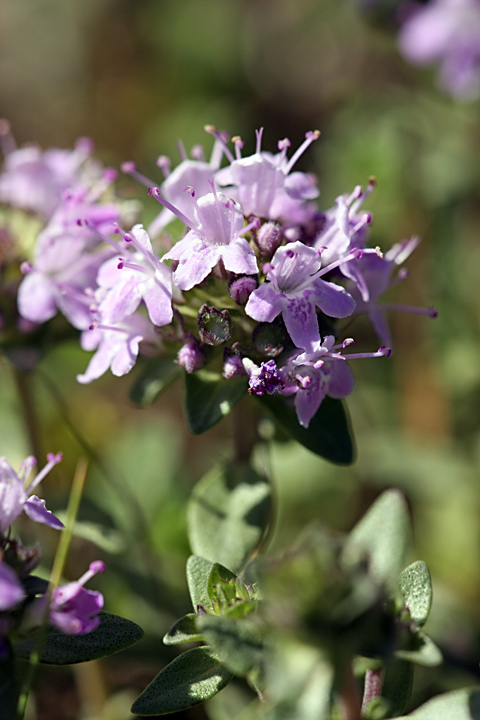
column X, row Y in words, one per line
column 241, row 287
column 269, row 339
column 191, row 355
column 268, row 238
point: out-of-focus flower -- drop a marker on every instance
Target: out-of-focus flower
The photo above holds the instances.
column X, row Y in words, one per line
column 446, row 32
column 73, row 609
column 15, row 498
column 11, row 589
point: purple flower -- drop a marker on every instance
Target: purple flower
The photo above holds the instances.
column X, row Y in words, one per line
column 14, row 497
column 448, row 32
column 139, row 275
column 263, row 379
column 191, row 355
column 73, row 609
column 376, row 271
column 217, row 236
column 11, row 589
column 294, row 288
column 117, row 346
column 323, row 371
column 195, row 172
column 34, row 180
column 263, row 184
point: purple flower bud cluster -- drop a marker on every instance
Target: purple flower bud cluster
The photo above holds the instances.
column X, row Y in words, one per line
column 24, row 601
column 260, row 270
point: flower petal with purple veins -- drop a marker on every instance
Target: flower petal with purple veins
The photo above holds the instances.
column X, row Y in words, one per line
column 265, row 303
column 301, row 320
column 333, row 299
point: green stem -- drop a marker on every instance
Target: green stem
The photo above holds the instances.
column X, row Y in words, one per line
column 55, row 576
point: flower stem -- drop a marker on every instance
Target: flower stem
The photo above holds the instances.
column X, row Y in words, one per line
column 373, row 686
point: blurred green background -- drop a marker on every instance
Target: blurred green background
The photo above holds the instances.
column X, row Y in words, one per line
column 139, row 75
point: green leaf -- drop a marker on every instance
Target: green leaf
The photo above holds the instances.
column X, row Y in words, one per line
column 184, row 630
column 240, row 645
column 416, row 587
column 112, row 635
column 221, row 586
column 328, row 434
column 8, row 685
column 458, row 705
column 198, row 572
column 192, row 678
column 397, row 686
column 209, row 398
column 228, row 513
column 154, row 377
column 424, row 652
column 382, row 535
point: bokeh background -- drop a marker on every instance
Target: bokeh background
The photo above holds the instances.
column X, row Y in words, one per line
column 139, row 75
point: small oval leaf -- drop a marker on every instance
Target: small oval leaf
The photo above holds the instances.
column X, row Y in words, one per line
column 456, row 705
column 112, row 635
column 154, row 377
column 209, row 398
column 198, row 572
column 328, row 434
column 228, row 514
column 192, row 678
column 416, row 587
column 184, row 630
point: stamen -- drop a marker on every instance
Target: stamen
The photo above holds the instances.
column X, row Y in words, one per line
column 95, row 567
column 381, row 352
column 109, row 176
column 197, row 153
column 52, row 461
column 130, row 168
column 26, row 267
column 429, row 312
column 131, row 266
column 181, row 150
column 155, row 193
column 310, row 137
column 354, row 254
column 26, row 466
column 7, row 141
column 239, row 144
column 219, row 137
column 164, row 163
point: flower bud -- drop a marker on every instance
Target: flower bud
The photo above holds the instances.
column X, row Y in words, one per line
column 191, row 355
column 269, row 238
column 241, row 287
column 232, row 363
column 214, row 326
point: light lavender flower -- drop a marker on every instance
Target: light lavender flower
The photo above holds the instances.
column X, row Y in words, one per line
column 294, row 288
column 139, row 275
column 446, row 32
column 322, row 371
column 117, row 346
column 217, row 236
column 15, row 497
column 263, row 183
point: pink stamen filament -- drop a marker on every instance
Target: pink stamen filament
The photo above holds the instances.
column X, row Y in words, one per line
column 163, row 162
column 129, row 168
column 354, row 254
column 238, row 142
column 52, row 461
column 132, row 266
column 155, row 193
column 310, row 137
column 430, row 312
column 259, row 135
column 213, row 131
column 95, row 567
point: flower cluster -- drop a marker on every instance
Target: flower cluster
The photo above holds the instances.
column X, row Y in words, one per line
column 24, row 600
column 258, row 283
column 446, row 32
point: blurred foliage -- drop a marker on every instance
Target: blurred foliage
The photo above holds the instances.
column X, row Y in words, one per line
column 137, row 77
